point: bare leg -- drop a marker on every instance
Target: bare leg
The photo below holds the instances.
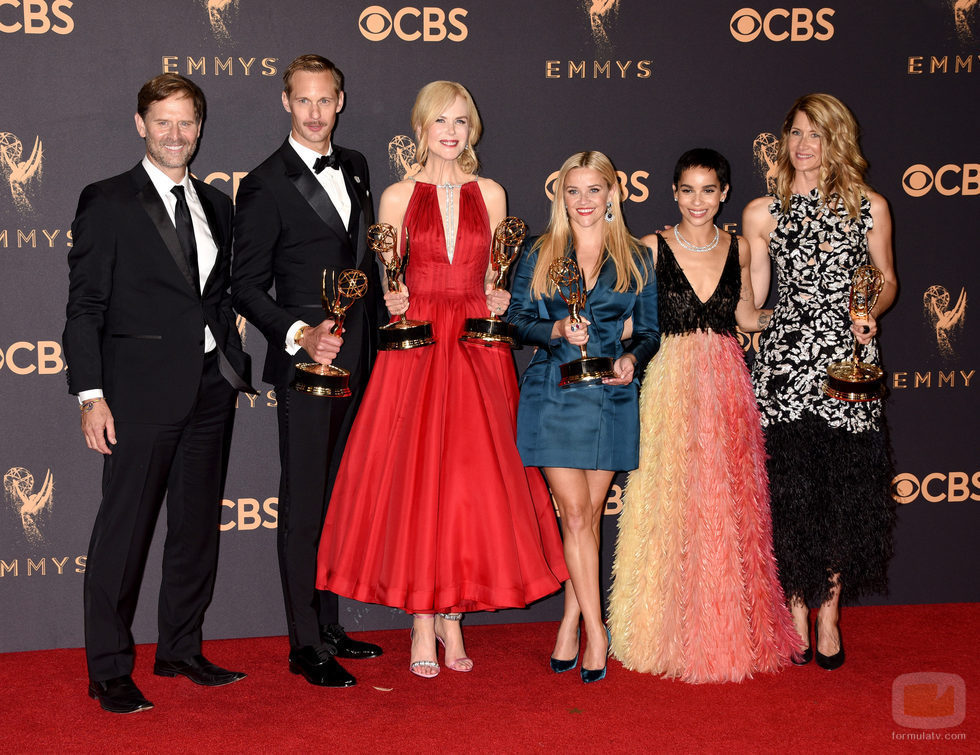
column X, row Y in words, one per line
column 801, row 620
column 827, row 617
column 580, row 503
column 449, row 631
column 567, row 641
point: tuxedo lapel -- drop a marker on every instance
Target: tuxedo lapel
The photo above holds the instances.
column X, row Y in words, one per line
column 356, row 192
column 154, row 207
column 315, row 195
column 217, row 235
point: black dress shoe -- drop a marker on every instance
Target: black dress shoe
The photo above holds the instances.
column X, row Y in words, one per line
column 830, row 662
column 119, row 695
column 802, row 657
column 334, row 634
column 319, row 667
column 199, row 670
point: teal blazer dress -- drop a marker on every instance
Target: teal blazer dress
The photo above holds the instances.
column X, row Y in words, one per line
column 593, row 426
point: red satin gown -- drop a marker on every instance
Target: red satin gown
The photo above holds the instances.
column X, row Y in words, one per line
column 432, row 509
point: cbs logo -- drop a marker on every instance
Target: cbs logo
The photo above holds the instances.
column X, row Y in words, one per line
column 45, row 361
column 36, row 17
column 410, row 24
column 954, row 487
column 635, row 180
column 780, row 24
column 234, row 178
column 247, row 514
column 919, row 180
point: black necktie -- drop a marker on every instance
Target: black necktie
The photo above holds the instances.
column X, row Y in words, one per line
column 325, row 161
column 185, row 234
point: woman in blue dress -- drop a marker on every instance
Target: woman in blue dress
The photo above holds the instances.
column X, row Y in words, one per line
column 582, row 435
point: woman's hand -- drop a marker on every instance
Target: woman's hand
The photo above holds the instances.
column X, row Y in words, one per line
column 623, row 369
column 864, row 330
column 498, row 299
column 576, row 333
column 397, row 301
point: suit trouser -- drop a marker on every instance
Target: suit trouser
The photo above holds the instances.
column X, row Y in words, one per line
column 312, row 433
column 187, row 461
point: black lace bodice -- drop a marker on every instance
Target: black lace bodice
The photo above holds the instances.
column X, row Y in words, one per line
column 681, row 311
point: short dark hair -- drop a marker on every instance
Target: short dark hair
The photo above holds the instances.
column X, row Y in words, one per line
column 313, row 64
column 702, row 157
column 166, row 85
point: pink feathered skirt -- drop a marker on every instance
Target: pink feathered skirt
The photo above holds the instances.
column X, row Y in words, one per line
column 696, row 593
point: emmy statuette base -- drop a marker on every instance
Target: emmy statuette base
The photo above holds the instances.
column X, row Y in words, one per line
column 405, row 334
column 585, row 370
column 321, row 380
column 489, row 332
column 854, row 381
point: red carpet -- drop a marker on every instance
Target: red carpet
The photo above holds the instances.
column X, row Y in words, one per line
column 511, row 702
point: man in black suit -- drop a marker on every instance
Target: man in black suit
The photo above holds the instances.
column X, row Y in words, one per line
column 304, row 210
column 151, row 334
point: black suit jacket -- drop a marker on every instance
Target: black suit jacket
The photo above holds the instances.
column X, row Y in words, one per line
column 286, row 233
column 135, row 319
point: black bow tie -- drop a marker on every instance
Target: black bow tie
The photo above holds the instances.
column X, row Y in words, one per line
column 326, row 161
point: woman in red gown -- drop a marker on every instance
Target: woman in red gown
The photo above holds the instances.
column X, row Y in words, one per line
column 433, row 511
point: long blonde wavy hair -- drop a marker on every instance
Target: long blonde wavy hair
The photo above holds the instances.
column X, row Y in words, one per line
column 618, row 244
column 432, row 100
column 843, row 166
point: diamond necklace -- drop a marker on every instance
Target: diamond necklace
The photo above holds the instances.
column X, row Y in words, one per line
column 691, row 247
column 449, row 224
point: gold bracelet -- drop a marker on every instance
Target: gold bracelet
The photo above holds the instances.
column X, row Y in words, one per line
column 89, row 404
column 298, row 336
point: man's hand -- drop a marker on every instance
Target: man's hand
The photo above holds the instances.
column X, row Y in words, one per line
column 320, row 344
column 98, row 425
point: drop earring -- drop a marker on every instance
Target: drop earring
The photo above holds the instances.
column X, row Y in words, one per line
column 609, row 215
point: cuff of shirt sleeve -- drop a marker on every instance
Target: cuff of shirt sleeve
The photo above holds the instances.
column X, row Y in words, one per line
column 291, row 346
column 86, row 395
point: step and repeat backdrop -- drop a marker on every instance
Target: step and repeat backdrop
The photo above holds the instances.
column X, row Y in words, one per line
column 642, row 80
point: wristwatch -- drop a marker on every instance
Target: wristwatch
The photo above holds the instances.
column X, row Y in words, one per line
column 298, row 336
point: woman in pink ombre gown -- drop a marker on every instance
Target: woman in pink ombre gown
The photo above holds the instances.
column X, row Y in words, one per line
column 696, row 594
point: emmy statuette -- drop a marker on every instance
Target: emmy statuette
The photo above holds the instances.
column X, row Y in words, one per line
column 492, row 331
column 854, row 380
column 403, row 333
column 325, row 379
column 565, row 274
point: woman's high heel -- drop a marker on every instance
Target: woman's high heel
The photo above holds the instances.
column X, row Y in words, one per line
column 803, row 657
column 559, row 666
column 416, row 666
column 590, row 675
column 829, row 662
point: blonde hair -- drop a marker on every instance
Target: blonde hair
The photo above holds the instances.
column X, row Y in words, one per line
column 431, row 101
column 842, row 166
column 618, row 244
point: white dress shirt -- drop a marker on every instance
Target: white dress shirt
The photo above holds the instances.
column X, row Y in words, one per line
column 332, row 181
